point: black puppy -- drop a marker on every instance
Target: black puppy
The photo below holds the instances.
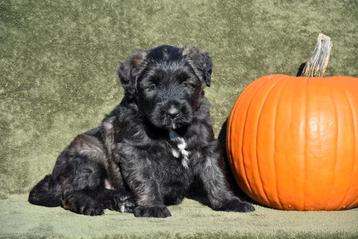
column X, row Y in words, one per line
column 151, row 148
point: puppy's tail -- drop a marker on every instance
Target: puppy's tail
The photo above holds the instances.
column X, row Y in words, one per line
column 45, row 193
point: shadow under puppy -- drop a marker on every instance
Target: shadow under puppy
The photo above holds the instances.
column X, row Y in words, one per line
column 151, row 148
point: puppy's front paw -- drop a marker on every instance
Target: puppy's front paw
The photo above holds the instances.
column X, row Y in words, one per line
column 155, row 211
column 123, row 203
column 235, row 205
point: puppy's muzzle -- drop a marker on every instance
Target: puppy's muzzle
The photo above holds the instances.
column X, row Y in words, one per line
column 175, row 114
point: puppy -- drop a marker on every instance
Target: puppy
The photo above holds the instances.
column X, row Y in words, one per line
column 151, row 148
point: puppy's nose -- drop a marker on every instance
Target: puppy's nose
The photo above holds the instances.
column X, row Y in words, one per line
column 172, row 111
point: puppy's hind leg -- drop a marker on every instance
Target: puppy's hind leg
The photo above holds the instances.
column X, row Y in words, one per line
column 86, row 180
column 46, row 193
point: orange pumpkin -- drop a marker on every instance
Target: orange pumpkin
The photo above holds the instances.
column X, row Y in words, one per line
column 292, row 142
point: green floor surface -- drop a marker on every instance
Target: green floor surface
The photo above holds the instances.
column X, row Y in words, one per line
column 19, row 219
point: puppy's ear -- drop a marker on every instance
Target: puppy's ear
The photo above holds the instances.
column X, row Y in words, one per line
column 130, row 69
column 201, row 63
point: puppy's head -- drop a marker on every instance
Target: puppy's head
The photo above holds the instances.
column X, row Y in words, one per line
column 166, row 83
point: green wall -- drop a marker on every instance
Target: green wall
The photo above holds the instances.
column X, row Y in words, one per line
column 58, row 61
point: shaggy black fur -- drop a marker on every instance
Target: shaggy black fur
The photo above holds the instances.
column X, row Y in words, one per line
column 151, row 149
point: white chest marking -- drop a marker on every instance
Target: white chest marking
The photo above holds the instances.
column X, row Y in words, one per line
column 181, row 148
column 175, row 153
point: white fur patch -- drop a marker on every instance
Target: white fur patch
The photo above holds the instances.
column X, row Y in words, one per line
column 175, row 153
column 122, row 208
column 108, row 185
column 181, row 148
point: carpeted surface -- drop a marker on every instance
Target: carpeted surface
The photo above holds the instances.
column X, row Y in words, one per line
column 57, row 79
column 190, row 220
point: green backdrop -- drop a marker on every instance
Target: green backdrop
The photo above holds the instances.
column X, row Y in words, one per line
column 58, row 61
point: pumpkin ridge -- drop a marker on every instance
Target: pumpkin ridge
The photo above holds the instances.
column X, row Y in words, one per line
column 294, row 104
column 337, row 133
column 259, row 88
column 305, row 143
column 282, row 78
column 264, row 101
column 233, row 118
column 348, row 99
column 229, row 150
column 259, row 122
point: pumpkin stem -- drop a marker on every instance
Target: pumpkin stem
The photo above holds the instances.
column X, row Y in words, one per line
column 317, row 64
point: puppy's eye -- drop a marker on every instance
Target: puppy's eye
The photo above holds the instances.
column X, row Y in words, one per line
column 151, row 87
